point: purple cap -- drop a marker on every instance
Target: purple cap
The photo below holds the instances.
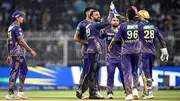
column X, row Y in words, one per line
column 17, row 14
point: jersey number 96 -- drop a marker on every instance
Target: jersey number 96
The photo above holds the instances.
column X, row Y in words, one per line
column 132, row 34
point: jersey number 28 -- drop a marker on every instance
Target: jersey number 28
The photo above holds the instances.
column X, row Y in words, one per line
column 149, row 34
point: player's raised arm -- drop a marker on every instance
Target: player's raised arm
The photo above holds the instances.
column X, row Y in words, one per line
column 116, row 37
column 107, row 22
column 110, row 16
column 23, row 43
column 116, row 14
column 137, row 13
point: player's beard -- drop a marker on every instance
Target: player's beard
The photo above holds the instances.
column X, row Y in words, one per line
column 115, row 26
column 97, row 19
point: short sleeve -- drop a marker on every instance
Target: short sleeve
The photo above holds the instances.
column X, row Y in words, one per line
column 19, row 32
column 79, row 26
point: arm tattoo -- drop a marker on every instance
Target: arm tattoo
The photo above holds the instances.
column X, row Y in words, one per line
column 24, row 44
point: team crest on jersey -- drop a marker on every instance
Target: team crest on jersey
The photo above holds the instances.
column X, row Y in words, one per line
column 20, row 29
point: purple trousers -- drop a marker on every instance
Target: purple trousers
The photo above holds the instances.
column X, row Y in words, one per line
column 18, row 65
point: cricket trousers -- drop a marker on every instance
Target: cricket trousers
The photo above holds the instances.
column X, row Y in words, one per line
column 18, row 65
column 147, row 64
column 110, row 72
column 129, row 68
column 89, row 75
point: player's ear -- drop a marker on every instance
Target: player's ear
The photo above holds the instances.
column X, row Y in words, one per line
column 91, row 17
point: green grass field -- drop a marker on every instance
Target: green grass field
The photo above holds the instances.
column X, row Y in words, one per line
column 70, row 95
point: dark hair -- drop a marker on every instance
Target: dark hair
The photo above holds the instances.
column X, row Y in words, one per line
column 130, row 13
column 91, row 13
column 87, row 9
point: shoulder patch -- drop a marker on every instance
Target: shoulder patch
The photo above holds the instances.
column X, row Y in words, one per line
column 19, row 29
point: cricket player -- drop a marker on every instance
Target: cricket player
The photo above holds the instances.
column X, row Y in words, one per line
column 94, row 46
column 16, row 45
column 148, row 34
column 131, row 47
column 134, row 70
column 113, row 57
column 80, row 37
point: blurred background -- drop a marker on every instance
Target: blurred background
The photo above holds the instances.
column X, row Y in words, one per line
column 49, row 27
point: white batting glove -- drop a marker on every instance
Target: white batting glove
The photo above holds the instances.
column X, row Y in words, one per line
column 113, row 9
column 164, row 55
column 112, row 6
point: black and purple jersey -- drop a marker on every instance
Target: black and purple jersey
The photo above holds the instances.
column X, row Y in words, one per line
column 128, row 32
column 82, row 29
column 93, row 36
column 13, row 32
column 114, row 55
column 148, row 34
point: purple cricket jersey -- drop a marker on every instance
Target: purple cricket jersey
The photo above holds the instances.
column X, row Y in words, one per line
column 93, row 36
column 82, row 29
column 128, row 32
column 13, row 32
column 148, row 34
column 114, row 55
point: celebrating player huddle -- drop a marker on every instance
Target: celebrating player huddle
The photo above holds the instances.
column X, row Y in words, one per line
column 128, row 44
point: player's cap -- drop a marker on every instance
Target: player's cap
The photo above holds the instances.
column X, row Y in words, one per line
column 144, row 14
column 17, row 14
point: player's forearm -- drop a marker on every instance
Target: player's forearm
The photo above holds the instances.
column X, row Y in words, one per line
column 163, row 43
column 103, row 24
column 110, row 16
column 80, row 41
column 24, row 44
column 85, row 42
column 112, row 42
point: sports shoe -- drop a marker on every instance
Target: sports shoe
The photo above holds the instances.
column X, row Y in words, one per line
column 10, row 97
column 143, row 96
column 129, row 97
column 135, row 94
column 21, row 95
column 79, row 94
column 147, row 96
column 96, row 96
column 110, row 96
